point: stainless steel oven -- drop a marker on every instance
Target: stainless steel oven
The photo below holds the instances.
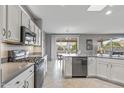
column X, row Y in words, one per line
column 38, row 65
column 39, row 73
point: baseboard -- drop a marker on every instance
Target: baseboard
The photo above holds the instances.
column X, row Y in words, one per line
column 104, row 79
column 101, row 78
column 93, row 76
column 67, row 77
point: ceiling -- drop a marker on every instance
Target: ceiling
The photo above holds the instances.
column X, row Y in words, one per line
column 75, row 19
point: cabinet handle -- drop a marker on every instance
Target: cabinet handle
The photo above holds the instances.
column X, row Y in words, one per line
column 30, row 70
column 9, row 33
column 4, row 32
column 17, row 82
column 27, row 84
column 23, row 86
column 111, row 66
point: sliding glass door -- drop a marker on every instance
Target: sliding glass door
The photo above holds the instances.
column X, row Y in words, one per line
column 67, row 45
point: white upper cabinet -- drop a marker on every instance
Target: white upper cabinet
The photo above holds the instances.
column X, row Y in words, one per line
column 25, row 20
column 32, row 26
column 12, row 17
column 36, row 31
column 3, row 30
column 38, row 35
column 14, row 23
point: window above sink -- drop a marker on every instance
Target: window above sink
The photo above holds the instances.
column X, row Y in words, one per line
column 113, row 47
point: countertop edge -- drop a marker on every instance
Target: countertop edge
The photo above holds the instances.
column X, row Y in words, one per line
column 7, row 81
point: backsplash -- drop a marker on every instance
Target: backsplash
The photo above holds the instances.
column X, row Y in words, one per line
column 6, row 47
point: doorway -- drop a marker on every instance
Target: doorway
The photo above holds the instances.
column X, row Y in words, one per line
column 66, row 45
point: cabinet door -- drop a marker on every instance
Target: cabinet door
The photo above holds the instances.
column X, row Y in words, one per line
column 117, row 72
column 2, row 22
column 91, row 66
column 45, row 65
column 39, row 32
column 68, row 67
column 32, row 26
column 25, row 20
column 102, row 69
column 14, row 23
column 30, row 81
column 37, row 35
column 0, row 72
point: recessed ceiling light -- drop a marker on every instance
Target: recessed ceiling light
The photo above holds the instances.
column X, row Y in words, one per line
column 96, row 7
column 108, row 12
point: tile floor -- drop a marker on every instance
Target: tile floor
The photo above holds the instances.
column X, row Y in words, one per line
column 54, row 79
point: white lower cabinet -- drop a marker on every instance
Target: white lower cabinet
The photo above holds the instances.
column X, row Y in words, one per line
column 68, row 66
column 23, row 80
column 117, row 72
column 29, row 82
column 103, row 70
column 91, row 66
column 111, row 69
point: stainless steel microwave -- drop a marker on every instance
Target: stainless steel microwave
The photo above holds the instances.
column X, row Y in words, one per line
column 27, row 37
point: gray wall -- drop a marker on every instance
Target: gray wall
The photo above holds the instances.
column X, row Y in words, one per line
column 51, row 48
column 48, row 46
column 95, row 38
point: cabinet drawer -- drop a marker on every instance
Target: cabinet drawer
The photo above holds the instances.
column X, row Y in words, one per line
column 19, row 80
column 29, row 70
column 14, row 84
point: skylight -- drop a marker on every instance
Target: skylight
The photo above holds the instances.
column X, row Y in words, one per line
column 96, row 7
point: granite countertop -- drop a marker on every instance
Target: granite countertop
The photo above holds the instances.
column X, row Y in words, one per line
column 107, row 57
column 118, row 58
column 12, row 69
column 69, row 55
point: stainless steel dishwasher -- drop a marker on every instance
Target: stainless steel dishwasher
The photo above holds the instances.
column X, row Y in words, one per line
column 79, row 66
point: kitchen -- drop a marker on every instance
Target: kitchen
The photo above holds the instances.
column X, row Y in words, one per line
column 51, row 46
column 21, row 49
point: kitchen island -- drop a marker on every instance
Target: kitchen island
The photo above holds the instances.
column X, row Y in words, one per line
column 74, row 65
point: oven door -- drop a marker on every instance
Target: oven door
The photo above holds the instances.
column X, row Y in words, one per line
column 39, row 75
